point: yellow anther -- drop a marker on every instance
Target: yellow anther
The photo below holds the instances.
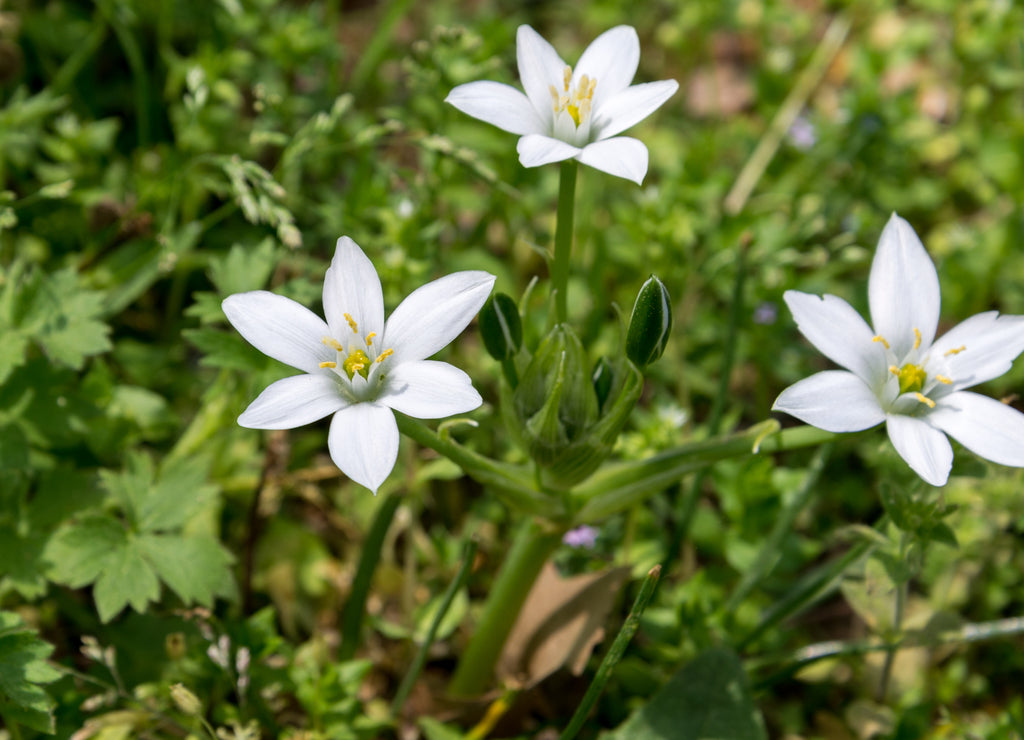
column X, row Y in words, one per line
column 956, row 351
column 925, row 400
column 369, row 338
column 567, row 77
column 352, row 323
column 554, row 95
column 917, row 338
column 944, row 380
column 894, row 370
column 333, row 343
column 384, row 355
column 331, row 365
column 574, row 111
column 881, row 339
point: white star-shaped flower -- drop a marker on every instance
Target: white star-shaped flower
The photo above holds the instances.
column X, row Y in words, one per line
column 572, row 114
column 897, row 372
column 357, row 366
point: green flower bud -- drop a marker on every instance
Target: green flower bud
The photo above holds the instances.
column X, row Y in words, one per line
column 650, row 324
column 501, row 327
column 569, row 418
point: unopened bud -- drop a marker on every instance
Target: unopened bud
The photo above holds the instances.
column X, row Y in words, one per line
column 501, row 327
column 602, row 378
column 650, row 324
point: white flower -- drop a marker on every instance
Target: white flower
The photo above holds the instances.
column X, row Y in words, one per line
column 897, row 372
column 568, row 113
column 355, row 365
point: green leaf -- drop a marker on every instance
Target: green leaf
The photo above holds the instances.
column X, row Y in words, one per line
column 196, row 568
column 22, row 667
column 24, row 567
column 126, row 579
column 161, row 501
column 244, row 267
column 223, row 349
column 83, row 550
column 62, row 316
column 709, row 699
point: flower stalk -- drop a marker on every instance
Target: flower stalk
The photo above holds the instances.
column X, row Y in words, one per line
column 563, row 238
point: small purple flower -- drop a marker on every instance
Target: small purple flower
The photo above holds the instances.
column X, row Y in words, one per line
column 802, row 134
column 766, row 313
column 582, row 536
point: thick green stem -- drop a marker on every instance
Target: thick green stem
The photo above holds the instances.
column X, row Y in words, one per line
column 532, row 548
column 563, row 238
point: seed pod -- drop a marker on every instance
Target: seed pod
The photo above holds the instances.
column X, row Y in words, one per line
column 650, row 324
column 501, row 327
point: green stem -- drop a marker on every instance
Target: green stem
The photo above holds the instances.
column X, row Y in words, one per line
column 512, row 484
column 618, row 486
column 769, row 554
column 615, row 652
column 355, row 607
column 532, row 548
column 468, row 554
column 563, row 237
column 897, row 623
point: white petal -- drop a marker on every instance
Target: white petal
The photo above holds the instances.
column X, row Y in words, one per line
column 903, row 289
column 500, row 105
column 293, row 402
column 352, row 287
column 622, row 156
column 833, row 400
column 925, row 448
column 363, row 441
column 838, row 332
column 540, row 67
column 983, row 425
column 631, row 106
column 433, row 315
column 990, row 344
column 611, row 59
column 535, row 150
column 280, row 328
column 429, row 390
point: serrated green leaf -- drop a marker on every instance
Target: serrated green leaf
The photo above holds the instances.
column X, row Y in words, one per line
column 80, row 552
column 197, row 568
column 22, row 667
column 22, row 566
column 127, row 578
column 709, row 699
column 161, row 501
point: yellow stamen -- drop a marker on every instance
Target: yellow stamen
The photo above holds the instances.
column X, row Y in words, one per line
column 333, row 343
column 369, row 338
column 925, row 400
column 566, row 77
column 331, row 365
column 384, row 355
column 881, row 339
column 956, row 351
column 894, row 370
column 352, row 323
column 917, row 338
column 944, row 380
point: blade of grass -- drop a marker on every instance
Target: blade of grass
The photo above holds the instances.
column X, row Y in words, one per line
column 615, row 652
column 355, row 608
column 468, row 554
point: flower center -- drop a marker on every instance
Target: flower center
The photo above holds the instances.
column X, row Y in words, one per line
column 910, row 371
column 911, row 378
column 576, row 100
column 359, row 355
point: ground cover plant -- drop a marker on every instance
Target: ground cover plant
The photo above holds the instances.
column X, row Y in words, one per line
column 486, row 369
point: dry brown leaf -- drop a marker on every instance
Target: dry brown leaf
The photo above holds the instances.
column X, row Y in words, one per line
column 560, row 623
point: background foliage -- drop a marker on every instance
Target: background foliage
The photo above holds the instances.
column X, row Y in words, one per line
column 157, row 157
